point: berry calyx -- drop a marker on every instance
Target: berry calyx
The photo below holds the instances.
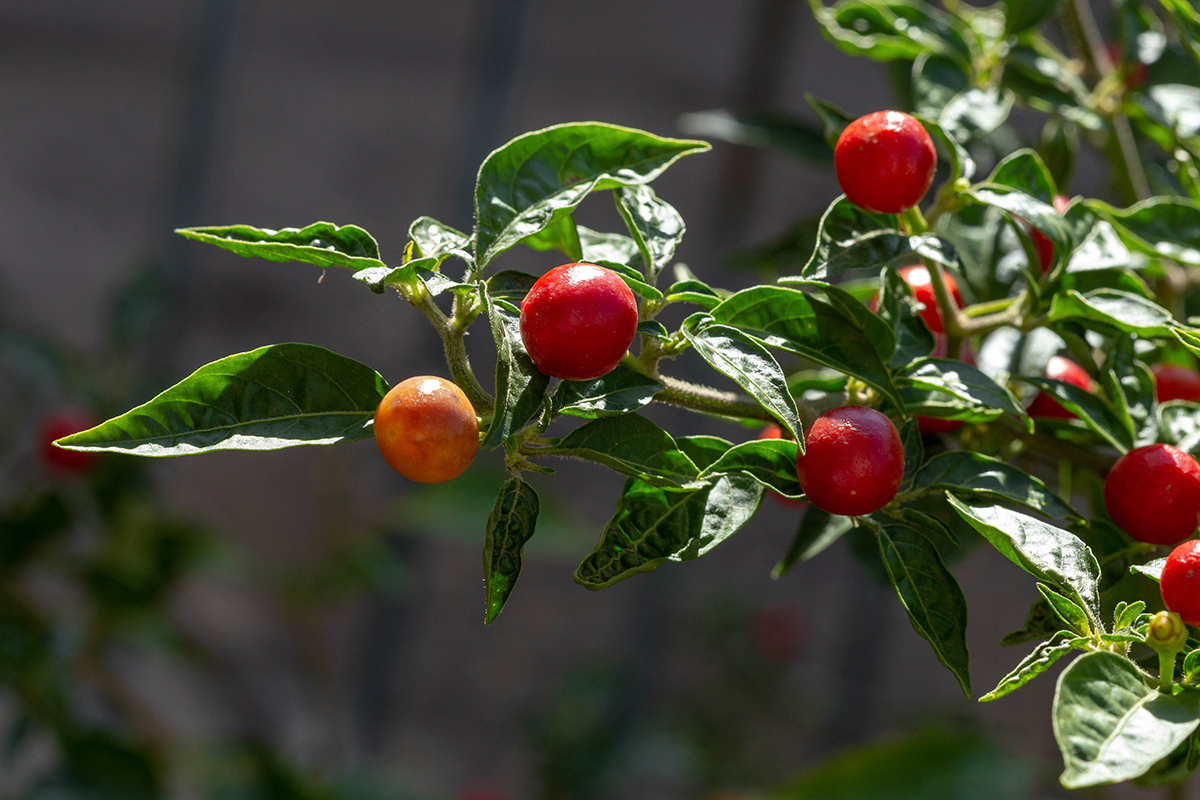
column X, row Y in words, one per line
column 1180, row 583
column 853, row 461
column 578, row 321
column 773, row 431
column 1173, row 382
column 426, row 429
column 1153, row 493
column 885, row 162
column 58, row 424
column 1060, row 369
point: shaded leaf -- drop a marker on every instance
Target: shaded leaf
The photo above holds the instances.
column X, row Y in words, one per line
column 772, row 462
column 520, row 387
column 632, row 445
column 990, row 477
column 818, row 529
column 655, row 225
column 1041, row 659
column 510, row 525
column 935, row 603
column 618, row 392
column 1094, row 411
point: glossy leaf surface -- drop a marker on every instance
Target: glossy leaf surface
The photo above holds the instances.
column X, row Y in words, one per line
column 520, row 387
column 322, row 243
column 986, row 476
column 537, row 178
column 619, row 392
column 278, row 396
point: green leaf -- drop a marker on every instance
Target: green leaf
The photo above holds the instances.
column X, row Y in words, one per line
column 1037, row 213
column 1048, row 85
column 435, row 239
column 693, row 292
column 561, row 234
column 1130, row 384
column 599, row 246
column 818, row 529
column 1050, row 554
column 1126, row 614
column 1021, row 15
column 771, row 462
column 509, row 527
column 990, row 477
column 1161, row 226
column 378, row 278
column 1025, row 172
column 1151, row 569
column 962, row 382
column 935, row 603
column 914, row 451
column 633, row 279
column 655, row 225
column 653, row 328
column 1110, row 725
column 322, row 243
column 619, row 392
column 1058, row 146
column 936, row 763
column 703, row 450
column 632, row 445
column 1179, row 424
column 808, row 326
column 1094, row 411
column 1041, row 659
column 1121, row 310
column 278, row 396
column 832, row 118
column 520, row 387
column 739, row 357
column 898, row 307
column 1067, row 610
column 654, row 524
column 851, row 238
column 538, row 177
column 510, row 285
column 972, row 115
column 890, row 30
column 788, row 135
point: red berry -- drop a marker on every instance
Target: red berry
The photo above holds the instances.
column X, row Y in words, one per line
column 885, row 162
column 777, row 633
column 1173, row 382
column 853, row 461
column 773, row 431
column 1153, row 493
column 1180, row 582
column 1062, row 369
column 63, row 423
column 917, row 277
column 577, row 321
column 426, row 429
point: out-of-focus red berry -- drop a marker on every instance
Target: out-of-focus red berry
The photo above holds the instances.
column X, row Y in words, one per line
column 1173, row 382
column 62, row 423
column 777, row 633
column 1045, row 247
column 1062, row 369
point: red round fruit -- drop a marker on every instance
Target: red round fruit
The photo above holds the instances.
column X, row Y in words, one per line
column 426, row 429
column 57, row 425
column 930, row 426
column 917, row 277
column 853, row 461
column 773, row 431
column 578, row 321
column 1180, row 582
column 885, row 162
column 1061, row 369
column 1173, row 382
column 1153, row 493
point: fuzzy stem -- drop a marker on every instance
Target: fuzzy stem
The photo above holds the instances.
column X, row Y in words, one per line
column 709, row 400
column 1166, row 670
column 451, row 332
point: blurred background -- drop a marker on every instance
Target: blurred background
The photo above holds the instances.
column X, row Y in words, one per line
column 306, row 623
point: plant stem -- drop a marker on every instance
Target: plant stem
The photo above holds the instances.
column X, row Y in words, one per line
column 1166, row 670
column 709, row 400
column 451, row 333
column 1095, row 56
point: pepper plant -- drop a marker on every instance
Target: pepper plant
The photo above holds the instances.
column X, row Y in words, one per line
column 1107, row 283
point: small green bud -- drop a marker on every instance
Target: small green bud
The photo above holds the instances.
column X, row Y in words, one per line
column 1166, row 633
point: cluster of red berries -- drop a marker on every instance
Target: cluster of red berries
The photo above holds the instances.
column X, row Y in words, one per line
column 577, row 322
